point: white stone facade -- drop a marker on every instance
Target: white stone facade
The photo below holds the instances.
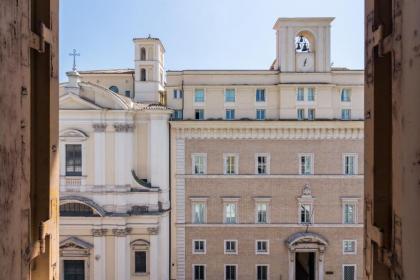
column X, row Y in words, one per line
column 135, row 135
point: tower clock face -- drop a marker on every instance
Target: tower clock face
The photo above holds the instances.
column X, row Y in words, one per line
column 305, row 62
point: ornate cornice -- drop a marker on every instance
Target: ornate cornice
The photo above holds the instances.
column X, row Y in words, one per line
column 99, row 127
column 123, row 127
column 121, row 231
column 276, row 130
column 99, row 232
column 153, row 230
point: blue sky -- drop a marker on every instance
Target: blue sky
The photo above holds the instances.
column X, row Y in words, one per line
column 199, row 34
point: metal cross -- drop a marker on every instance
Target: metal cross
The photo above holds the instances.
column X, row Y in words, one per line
column 74, row 54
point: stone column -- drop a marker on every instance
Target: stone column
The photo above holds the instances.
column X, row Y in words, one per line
column 123, row 153
column 99, row 252
column 99, row 153
column 121, row 253
column 154, row 254
column 321, row 253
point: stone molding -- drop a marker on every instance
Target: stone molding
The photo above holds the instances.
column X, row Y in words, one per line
column 98, row 232
column 153, row 230
column 121, row 232
column 123, row 127
column 277, row 133
column 99, row 127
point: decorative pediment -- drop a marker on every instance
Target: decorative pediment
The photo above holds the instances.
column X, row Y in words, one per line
column 72, row 101
column 73, row 135
column 306, row 238
column 75, row 243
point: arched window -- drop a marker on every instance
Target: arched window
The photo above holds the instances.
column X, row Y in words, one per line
column 143, row 75
column 75, row 209
column 114, row 89
column 142, row 54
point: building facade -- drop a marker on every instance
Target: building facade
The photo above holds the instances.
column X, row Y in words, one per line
column 204, row 174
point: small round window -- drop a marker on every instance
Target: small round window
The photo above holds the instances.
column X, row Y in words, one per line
column 114, row 89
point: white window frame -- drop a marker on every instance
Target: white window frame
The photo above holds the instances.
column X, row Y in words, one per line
column 267, row 155
column 312, row 157
column 353, row 201
column 194, row 252
column 230, row 103
column 234, row 114
column 260, row 252
column 307, row 94
column 193, row 270
column 307, row 115
column 262, row 264
column 194, row 157
column 262, row 102
column 231, row 200
column 265, row 200
column 229, row 252
column 236, row 162
column 355, row 247
column 345, row 119
column 265, row 114
column 236, row 270
column 355, row 270
column 311, row 212
column 197, row 200
column 297, row 114
column 341, row 95
column 297, row 94
column 355, row 166
column 199, row 103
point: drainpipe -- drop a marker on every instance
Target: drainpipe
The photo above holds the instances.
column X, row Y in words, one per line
column 170, row 200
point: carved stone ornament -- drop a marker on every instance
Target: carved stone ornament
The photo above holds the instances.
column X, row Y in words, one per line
column 99, row 127
column 123, row 127
column 99, row 232
column 153, row 230
column 121, row 232
column 306, row 191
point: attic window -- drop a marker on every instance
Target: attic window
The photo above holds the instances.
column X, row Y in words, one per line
column 114, row 89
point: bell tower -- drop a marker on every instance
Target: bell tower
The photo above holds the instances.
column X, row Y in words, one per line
column 149, row 70
column 303, row 44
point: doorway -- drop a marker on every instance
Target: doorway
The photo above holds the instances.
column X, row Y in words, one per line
column 305, row 266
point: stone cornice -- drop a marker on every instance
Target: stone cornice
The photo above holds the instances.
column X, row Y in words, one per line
column 99, row 232
column 278, row 130
column 121, row 232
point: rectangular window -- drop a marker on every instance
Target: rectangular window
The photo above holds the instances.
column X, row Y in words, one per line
column 230, row 164
column 199, row 272
column 140, row 265
column 300, row 95
column 260, row 114
column 300, row 114
column 262, row 209
column 230, row 247
column 311, row 94
column 230, row 95
column 73, row 160
column 177, row 93
column 311, row 114
column 199, row 95
column 262, row 272
column 230, row 114
column 230, row 272
column 74, row 269
column 260, row 95
column 345, row 95
column 349, row 164
column 349, row 213
column 199, row 210
column 199, row 164
column 127, row 93
column 305, row 164
column 199, row 114
column 262, row 164
column 349, row 272
column 177, row 115
column 345, row 114
column 261, row 247
column 305, row 213
column 199, row 246
column 230, row 213
column 349, row 247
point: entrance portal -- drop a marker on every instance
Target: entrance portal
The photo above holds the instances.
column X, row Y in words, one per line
column 305, row 266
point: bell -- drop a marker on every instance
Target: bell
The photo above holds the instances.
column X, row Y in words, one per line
column 298, row 46
column 301, row 39
column 305, row 48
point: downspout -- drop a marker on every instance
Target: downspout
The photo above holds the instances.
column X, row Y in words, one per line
column 170, row 201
